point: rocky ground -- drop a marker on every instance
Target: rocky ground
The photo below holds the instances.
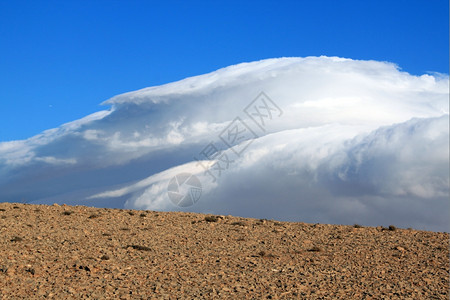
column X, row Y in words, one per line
column 66, row 252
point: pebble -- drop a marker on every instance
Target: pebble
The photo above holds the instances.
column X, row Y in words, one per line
column 182, row 255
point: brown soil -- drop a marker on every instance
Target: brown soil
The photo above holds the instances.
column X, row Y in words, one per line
column 66, row 252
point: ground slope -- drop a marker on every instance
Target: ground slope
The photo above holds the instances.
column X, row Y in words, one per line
column 83, row 252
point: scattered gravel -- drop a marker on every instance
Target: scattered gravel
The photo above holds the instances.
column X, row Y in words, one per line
column 79, row 252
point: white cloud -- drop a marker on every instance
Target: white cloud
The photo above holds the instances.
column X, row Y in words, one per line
column 56, row 161
column 357, row 142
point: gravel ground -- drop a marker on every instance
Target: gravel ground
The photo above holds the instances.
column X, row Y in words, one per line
column 66, row 252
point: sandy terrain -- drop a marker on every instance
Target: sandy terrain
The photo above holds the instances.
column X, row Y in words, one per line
column 66, row 252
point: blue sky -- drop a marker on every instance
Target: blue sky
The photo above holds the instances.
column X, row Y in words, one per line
column 60, row 59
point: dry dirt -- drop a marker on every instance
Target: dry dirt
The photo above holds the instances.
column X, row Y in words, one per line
column 66, row 252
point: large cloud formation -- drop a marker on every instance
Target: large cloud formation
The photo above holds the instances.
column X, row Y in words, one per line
column 316, row 139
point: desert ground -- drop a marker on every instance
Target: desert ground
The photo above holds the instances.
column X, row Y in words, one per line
column 67, row 252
